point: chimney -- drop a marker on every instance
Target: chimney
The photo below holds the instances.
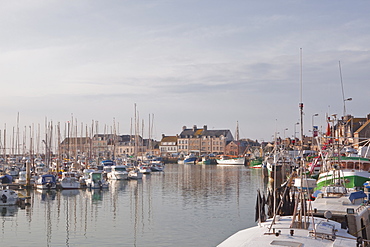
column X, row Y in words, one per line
column 368, row 116
column 183, row 128
column 194, row 128
column 205, row 127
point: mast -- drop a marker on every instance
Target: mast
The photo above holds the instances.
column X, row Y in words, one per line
column 5, row 143
column 237, row 131
column 58, row 148
column 301, row 102
column 149, row 138
column 135, row 132
column 17, row 138
column 341, row 82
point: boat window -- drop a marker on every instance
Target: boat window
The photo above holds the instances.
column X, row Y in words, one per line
column 120, row 169
column 350, row 165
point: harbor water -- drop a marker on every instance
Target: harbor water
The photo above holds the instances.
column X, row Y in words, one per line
column 187, row 205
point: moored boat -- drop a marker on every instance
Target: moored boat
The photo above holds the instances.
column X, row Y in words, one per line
column 256, row 163
column 135, row 174
column 353, row 172
column 280, row 231
column 190, row 159
column 70, row 180
column 22, row 179
column 96, row 180
column 230, row 160
column 8, row 197
column 145, row 168
column 46, row 182
column 205, row 160
column 118, row 172
column 157, row 167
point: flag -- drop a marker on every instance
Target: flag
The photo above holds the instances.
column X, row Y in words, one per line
column 328, row 131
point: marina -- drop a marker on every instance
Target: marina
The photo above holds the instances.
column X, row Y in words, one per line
column 185, row 205
column 185, row 123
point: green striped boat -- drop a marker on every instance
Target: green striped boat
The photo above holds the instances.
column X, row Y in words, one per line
column 350, row 171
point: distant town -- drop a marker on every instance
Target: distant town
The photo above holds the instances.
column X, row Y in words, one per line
column 348, row 130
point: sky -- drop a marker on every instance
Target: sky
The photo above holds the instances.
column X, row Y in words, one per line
column 182, row 63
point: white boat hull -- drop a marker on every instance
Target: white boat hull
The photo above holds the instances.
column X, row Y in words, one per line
column 70, row 184
column 118, row 176
column 135, row 175
column 281, row 234
column 235, row 161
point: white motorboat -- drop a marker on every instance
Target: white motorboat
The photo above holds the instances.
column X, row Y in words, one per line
column 230, row 160
column 118, row 172
column 135, row 174
column 46, row 182
column 8, row 197
column 96, row 180
column 70, row 180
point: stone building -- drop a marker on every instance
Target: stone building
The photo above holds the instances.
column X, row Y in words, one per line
column 203, row 141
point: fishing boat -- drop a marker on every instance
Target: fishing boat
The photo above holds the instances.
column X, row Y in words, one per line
column 205, row 160
column 315, row 167
column 281, row 231
column 70, row 180
column 351, row 171
column 96, row 180
column 256, row 162
column 46, row 182
column 346, row 206
column 279, row 163
column 230, row 160
column 300, row 226
column 118, row 172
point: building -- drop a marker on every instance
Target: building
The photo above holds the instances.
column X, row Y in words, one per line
column 241, row 147
column 106, row 146
column 203, row 141
column 362, row 134
column 72, row 147
column 168, row 145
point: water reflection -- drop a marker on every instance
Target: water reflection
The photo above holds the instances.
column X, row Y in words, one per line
column 8, row 211
column 70, row 193
column 178, row 207
column 47, row 195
